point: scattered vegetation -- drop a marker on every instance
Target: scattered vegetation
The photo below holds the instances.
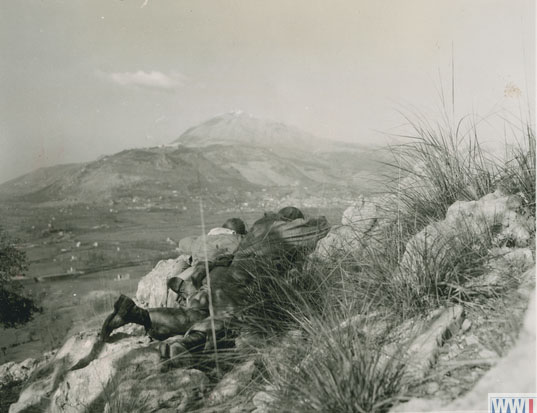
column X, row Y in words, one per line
column 333, row 366
column 438, row 167
column 518, row 173
column 332, row 369
column 15, row 307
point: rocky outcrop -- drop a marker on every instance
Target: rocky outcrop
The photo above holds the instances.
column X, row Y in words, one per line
column 422, row 350
column 12, row 372
column 357, row 223
column 152, row 289
column 494, row 217
column 124, row 375
column 340, row 241
column 60, row 386
column 515, row 373
column 128, row 373
column 502, row 268
column 361, row 216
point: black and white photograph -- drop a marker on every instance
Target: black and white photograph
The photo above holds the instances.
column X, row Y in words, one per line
column 253, row 206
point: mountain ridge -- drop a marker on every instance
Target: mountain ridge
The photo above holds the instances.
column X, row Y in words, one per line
column 234, row 152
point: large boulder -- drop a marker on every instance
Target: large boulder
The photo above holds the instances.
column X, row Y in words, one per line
column 358, row 222
column 361, row 216
column 340, row 241
column 90, row 386
column 467, row 223
column 152, row 289
column 495, row 211
column 79, row 376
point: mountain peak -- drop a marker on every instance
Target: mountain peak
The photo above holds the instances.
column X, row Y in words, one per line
column 241, row 128
column 239, row 112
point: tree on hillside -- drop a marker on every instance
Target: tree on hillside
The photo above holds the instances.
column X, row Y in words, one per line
column 15, row 308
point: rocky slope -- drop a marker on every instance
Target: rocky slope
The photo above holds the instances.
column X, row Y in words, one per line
column 127, row 375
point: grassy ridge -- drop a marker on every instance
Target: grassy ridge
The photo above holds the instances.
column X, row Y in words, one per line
column 344, row 372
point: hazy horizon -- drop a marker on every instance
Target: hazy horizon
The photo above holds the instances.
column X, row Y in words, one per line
column 80, row 80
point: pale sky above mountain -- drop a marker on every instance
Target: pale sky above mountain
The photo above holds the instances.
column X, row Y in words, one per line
column 83, row 78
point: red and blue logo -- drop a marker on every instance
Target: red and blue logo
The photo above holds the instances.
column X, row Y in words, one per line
column 512, row 403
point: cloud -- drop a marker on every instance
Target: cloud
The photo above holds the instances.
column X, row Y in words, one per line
column 153, row 79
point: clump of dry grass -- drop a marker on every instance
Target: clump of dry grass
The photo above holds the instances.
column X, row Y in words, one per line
column 335, row 368
column 344, row 371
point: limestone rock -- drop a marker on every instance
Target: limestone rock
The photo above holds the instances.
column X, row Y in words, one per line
column 232, row 383
column 505, row 263
column 76, row 348
column 417, row 341
column 513, row 373
column 361, row 216
column 494, row 209
column 423, row 349
column 123, row 375
column 338, row 242
column 510, row 375
column 85, row 387
column 12, row 372
column 152, row 289
column 359, row 223
column 57, row 388
column 465, row 222
column 488, row 354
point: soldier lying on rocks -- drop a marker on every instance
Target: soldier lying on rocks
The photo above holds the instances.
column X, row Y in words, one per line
column 278, row 238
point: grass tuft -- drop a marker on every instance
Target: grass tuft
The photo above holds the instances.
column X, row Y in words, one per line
column 338, row 370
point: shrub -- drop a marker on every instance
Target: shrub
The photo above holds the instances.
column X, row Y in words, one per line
column 15, row 308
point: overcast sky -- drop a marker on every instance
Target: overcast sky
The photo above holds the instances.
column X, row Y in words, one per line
column 81, row 78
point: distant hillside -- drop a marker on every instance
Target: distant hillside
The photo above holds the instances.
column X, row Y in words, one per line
column 224, row 157
column 133, row 172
